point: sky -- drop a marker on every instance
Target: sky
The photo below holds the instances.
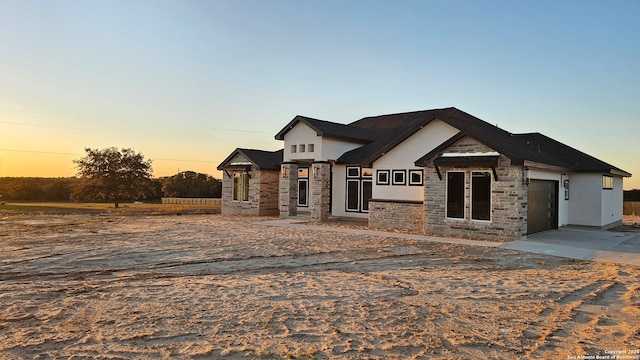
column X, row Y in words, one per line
column 185, row 82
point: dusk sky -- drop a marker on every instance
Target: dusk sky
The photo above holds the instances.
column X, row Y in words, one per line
column 186, row 82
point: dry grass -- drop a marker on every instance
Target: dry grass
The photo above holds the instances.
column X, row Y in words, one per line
column 69, row 208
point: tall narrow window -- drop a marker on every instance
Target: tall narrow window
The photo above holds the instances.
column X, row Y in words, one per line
column 237, row 187
column 481, row 196
column 353, row 195
column 303, row 186
column 367, row 187
column 455, row 195
column 245, row 187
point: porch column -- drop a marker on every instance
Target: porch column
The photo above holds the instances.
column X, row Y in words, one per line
column 320, row 190
column 288, row 189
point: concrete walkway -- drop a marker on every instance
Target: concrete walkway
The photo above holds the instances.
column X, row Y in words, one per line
column 583, row 244
column 573, row 243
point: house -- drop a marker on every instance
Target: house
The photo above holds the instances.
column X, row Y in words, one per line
column 440, row 171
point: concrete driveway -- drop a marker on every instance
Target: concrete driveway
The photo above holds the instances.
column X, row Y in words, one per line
column 583, row 244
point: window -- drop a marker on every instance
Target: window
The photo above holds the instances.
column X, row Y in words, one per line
column 241, row 187
column 382, row 177
column 398, row 177
column 367, row 187
column 293, row 148
column 301, row 147
column 415, row 177
column 353, row 172
column 481, row 196
column 455, row 195
column 359, row 189
column 607, row 182
column 303, row 186
column 311, row 147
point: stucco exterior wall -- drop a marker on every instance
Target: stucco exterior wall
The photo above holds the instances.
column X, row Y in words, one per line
column 585, row 200
column 403, row 157
column 508, row 220
column 338, row 194
column 612, row 204
column 325, row 149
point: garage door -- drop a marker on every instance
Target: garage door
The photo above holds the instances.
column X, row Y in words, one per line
column 542, row 207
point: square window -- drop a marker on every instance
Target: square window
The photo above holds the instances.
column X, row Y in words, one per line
column 311, row 147
column 303, row 172
column 353, row 172
column 399, row 177
column 382, row 177
column 301, row 147
column 293, row 148
column 415, row 177
column 367, row 172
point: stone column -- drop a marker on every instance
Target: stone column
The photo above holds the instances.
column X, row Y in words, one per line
column 288, row 189
column 320, row 189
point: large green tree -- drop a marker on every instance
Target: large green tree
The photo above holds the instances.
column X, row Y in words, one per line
column 112, row 175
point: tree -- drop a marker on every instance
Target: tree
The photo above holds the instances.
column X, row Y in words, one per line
column 112, row 175
column 191, row 184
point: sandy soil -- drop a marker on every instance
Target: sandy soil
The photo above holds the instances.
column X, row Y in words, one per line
column 212, row 286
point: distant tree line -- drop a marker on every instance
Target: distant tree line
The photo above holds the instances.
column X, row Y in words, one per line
column 183, row 184
column 632, row 195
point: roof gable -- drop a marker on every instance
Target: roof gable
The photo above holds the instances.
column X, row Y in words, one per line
column 262, row 160
column 329, row 129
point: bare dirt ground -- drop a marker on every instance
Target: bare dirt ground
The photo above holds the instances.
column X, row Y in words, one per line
column 210, row 286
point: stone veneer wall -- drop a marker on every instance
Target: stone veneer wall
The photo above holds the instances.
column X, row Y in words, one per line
column 288, row 193
column 394, row 214
column 508, row 200
column 263, row 194
column 269, row 192
column 320, row 190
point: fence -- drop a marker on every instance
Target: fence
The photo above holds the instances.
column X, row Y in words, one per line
column 193, row 201
column 631, row 208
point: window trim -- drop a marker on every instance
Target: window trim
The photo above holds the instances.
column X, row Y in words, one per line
column 446, row 196
column 471, row 196
column 303, row 177
column 294, row 148
column 357, row 168
column 311, row 147
column 383, row 172
column 606, row 179
column 416, row 171
column 359, row 180
column 239, row 194
column 404, row 177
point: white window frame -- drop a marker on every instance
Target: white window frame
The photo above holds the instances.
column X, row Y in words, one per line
column 416, row 183
column 303, row 177
column 239, row 194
